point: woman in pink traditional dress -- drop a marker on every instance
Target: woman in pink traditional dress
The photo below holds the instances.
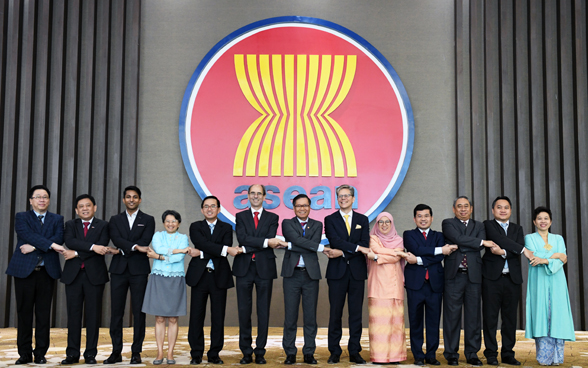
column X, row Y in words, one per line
column 386, row 292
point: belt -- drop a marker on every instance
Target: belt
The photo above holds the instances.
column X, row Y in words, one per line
column 300, row 268
column 210, row 270
column 505, row 274
column 462, row 270
column 38, row 268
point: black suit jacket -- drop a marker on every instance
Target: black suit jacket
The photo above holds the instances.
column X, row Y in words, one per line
column 302, row 245
column 513, row 243
column 468, row 241
column 414, row 274
column 94, row 263
column 212, row 246
column 252, row 239
column 124, row 238
column 336, row 232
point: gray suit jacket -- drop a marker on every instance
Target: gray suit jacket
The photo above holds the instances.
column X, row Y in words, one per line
column 468, row 241
column 302, row 245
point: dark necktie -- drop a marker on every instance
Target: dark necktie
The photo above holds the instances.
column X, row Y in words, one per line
column 464, row 260
column 427, row 273
column 86, row 226
column 303, row 224
column 41, row 219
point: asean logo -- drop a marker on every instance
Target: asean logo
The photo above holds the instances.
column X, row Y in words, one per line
column 301, row 105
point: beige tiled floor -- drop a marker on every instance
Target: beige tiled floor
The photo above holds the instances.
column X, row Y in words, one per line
column 576, row 353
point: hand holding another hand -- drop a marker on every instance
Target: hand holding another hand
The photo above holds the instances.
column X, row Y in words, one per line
column 27, row 248
column 69, row 254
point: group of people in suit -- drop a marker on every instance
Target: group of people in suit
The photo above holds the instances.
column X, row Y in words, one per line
column 414, row 261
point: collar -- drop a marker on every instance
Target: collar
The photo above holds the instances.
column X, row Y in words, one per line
column 426, row 230
column 90, row 221
column 253, row 211
column 40, row 214
column 212, row 223
column 133, row 215
column 500, row 222
column 343, row 214
column 301, row 221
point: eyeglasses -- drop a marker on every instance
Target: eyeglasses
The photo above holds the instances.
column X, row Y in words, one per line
column 171, row 222
column 212, row 206
column 40, row 197
column 302, row 206
column 256, row 194
column 384, row 222
column 344, row 196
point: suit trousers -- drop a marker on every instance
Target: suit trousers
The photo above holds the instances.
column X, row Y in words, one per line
column 424, row 304
column 263, row 290
column 83, row 297
column 502, row 296
column 354, row 290
column 33, row 292
column 296, row 286
column 119, row 286
column 461, row 292
column 206, row 287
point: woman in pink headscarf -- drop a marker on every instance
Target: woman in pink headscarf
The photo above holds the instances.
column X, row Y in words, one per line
column 386, row 292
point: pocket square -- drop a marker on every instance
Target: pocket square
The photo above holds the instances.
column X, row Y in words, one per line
column 358, row 226
column 140, row 224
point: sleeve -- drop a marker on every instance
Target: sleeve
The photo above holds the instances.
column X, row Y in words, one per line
column 337, row 242
column 208, row 247
column 71, row 242
column 300, row 243
column 466, row 243
column 252, row 242
column 182, row 243
column 499, row 237
column 555, row 265
column 148, row 232
column 29, row 236
column 116, row 237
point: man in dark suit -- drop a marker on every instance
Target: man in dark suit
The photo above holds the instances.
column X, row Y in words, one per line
column 209, row 275
column 463, row 283
column 131, row 232
column 502, row 279
column 349, row 233
column 35, row 267
column 424, row 279
column 84, row 276
column 256, row 232
column 301, row 273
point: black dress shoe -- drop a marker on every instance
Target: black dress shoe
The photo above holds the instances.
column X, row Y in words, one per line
column 259, row 359
column 334, row 358
column 511, row 361
column 136, row 358
column 113, row 358
column 475, row 361
column 356, row 358
column 90, row 360
column 452, row 361
column 309, row 359
column 491, row 361
column 432, row 361
column 25, row 359
column 290, row 359
column 247, row 359
column 196, row 360
column 40, row 359
column 419, row 362
column 70, row 360
column 215, row 360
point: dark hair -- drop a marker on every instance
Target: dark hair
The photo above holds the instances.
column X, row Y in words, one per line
column 38, row 187
column 173, row 213
column 462, row 197
column 299, row 196
column 252, row 185
column 540, row 209
column 501, row 198
column 84, row 196
column 134, row 189
column 210, row 197
column 422, row 207
column 345, row 186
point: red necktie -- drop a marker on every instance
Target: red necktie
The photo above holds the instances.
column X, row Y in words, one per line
column 426, row 274
column 86, row 226
column 256, row 221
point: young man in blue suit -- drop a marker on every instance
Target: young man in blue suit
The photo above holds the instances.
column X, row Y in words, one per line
column 35, row 267
column 424, row 281
column 349, row 238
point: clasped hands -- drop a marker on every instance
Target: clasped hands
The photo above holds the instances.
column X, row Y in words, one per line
column 68, row 253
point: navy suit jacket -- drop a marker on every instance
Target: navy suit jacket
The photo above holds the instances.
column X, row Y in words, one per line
column 414, row 274
column 336, row 232
column 124, row 238
column 94, row 263
column 29, row 231
column 252, row 239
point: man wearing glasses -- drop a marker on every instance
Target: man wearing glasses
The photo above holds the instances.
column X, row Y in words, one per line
column 301, row 273
column 209, row 275
column 349, row 238
column 256, row 232
column 35, row 267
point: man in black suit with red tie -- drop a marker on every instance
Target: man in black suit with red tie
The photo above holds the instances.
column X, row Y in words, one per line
column 84, row 276
column 131, row 232
column 349, row 239
column 35, row 267
column 502, row 279
column 424, row 279
column 209, row 275
column 463, row 283
column 256, row 232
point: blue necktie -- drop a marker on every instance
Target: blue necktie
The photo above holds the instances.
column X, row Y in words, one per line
column 210, row 264
column 505, row 227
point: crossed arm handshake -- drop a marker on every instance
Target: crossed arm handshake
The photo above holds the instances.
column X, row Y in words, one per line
column 535, row 261
column 368, row 252
column 69, row 254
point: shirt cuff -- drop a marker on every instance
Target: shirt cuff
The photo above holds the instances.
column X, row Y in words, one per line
column 503, row 255
column 438, row 250
column 201, row 255
column 419, row 261
column 244, row 250
column 482, row 242
column 76, row 252
column 357, row 249
column 133, row 247
column 265, row 245
column 224, row 252
column 320, row 248
column 289, row 245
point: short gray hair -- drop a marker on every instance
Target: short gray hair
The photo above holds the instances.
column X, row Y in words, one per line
column 462, row 197
column 345, row 186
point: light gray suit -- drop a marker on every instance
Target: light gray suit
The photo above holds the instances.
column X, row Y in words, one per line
column 301, row 282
